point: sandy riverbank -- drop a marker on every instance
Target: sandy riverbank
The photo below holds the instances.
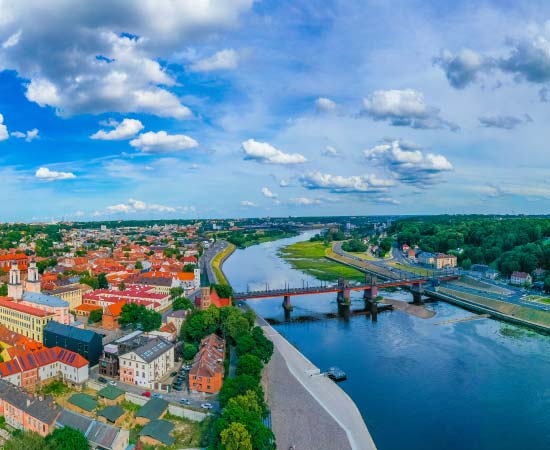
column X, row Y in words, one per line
column 419, row 311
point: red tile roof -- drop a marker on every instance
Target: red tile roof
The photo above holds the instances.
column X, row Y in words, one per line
column 10, row 304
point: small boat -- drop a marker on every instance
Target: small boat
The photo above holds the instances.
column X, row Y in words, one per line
column 336, row 374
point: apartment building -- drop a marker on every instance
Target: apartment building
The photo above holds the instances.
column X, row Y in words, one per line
column 23, row 319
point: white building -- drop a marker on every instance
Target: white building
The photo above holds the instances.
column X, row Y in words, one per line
column 146, row 365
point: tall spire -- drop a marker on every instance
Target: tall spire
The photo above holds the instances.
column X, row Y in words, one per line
column 33, row 278
column 15, row 288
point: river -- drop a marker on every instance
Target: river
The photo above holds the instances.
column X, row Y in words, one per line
column 472, row 385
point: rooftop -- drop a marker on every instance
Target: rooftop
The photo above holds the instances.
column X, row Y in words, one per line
column 10, row 304
column 84, row 401
column 70, row 332
column 44, row 410
column 159, row 430
column 111, row 413
column 101, row 434
column 110, row 392
column 42, row 299
column 153, row 409
column 152, row 349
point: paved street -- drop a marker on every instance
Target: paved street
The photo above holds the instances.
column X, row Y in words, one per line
column 208, row 256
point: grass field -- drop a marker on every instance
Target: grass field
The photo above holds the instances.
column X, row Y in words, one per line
column 309, row 257
column 537, row 298
column 217, row 262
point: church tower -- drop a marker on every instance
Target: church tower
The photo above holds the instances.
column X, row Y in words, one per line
column 206, row 300
column 33, row 279
column 15, row 288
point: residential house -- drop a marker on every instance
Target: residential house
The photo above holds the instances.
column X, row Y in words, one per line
column 23, row 319
column 111, row 315
column 146, row 365
column 443, row 261
column 177, row 318
column 26, row 412
column 207, row 372
column 426, row 258
column 520, row 279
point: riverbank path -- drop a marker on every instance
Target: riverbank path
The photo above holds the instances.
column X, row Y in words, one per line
column 308, row 409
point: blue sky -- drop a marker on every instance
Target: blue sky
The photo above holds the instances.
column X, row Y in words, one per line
column 239, row 108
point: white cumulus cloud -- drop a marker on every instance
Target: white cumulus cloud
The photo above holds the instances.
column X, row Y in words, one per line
column 330, row 152
column 263, row 152
column 305, row 201
column 43, row 173
column 248, row 203
column 29, row 135
column 135, row 206
column 123, row 130
column 162, row 142
column 405, row 107
column 408, row 163
column 325, row 104
column 345, row 184
column 3, row 129
column 223, row 60
column 267, row 193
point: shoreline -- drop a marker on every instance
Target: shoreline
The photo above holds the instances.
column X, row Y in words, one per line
column 324, row 392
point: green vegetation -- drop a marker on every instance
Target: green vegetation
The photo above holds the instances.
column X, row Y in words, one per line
column 95, row 316
column 309, row 257
column 65, row 438
column 245, row 238
column 354, row 246
column 3, row 290
column 223, row 290
column 181, row 303
column 102, row 281
column 138, row 316
column 55, row 388
column 217, row 263
column 506, row 243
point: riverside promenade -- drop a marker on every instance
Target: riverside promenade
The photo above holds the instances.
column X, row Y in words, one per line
column 309, row 411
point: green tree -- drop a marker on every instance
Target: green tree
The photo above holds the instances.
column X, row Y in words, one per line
column 95, row 316
column 90, row 281
column 122, row 286
column 189, row 268
column 3, row 290
column 181, row 303
column 176, row 292
column 223, row 290
column 138, row 265
column 67, row 438
column 189, row 351
column 102, row 281
column 28, row 441
column 239, row 385
column 250, row 365
column 199, row 324
column 236, row 437
column 547, row 285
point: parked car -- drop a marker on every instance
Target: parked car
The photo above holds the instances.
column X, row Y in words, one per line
column 102, row 380
column 173, row 374
column 157, row 395
column 112, row 382
column 206, row 405
column 185, row 401
column 187, row 367
column 146, row 394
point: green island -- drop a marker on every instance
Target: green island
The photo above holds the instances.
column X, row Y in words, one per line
column 309, row 257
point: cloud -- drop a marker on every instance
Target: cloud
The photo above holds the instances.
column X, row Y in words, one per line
column 342, row 184
column 248, row 203
column 12, row 40
column 324, row 104
column 124, row 130
column 29, row 135
column 134, row 206
column 404, row 108
column 43, row 173
column 529, row 59
column 162, row 142
column 331, row 152
column 305, row 201
column 3, row 129
column 267, row 193
column 283, row 183
column 223, row 60
column 113, row 58
column 408, row 163
column 263, row 152
column 386, row 200
column 504, row 122
column 463, row 68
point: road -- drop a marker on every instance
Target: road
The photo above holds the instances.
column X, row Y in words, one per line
column 208, row 256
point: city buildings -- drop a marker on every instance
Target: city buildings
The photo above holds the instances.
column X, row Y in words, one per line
column 23, row 319
column 146, row 365
column 209, row 297
column 24, row 411
column 86, row 343
column 520, row 279
column 207, row 372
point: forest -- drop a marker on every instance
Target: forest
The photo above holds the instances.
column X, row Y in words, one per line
column 507, row 243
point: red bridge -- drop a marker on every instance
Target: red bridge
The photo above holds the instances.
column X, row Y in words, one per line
column 343, row 289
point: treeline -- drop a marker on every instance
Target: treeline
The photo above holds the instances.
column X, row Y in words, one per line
column 241, row 398
column 242, row 238
column 507, row 244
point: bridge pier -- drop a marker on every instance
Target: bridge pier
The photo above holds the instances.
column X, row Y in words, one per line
column 286, row 303
column 417, row 290
column 343, row 297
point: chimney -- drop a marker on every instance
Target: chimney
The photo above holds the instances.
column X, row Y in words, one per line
column 28, row 402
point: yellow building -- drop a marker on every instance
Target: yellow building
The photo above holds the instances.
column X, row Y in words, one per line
column 23, row 319
column 71, row 294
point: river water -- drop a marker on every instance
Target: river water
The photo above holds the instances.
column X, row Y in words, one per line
column 480, row 384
